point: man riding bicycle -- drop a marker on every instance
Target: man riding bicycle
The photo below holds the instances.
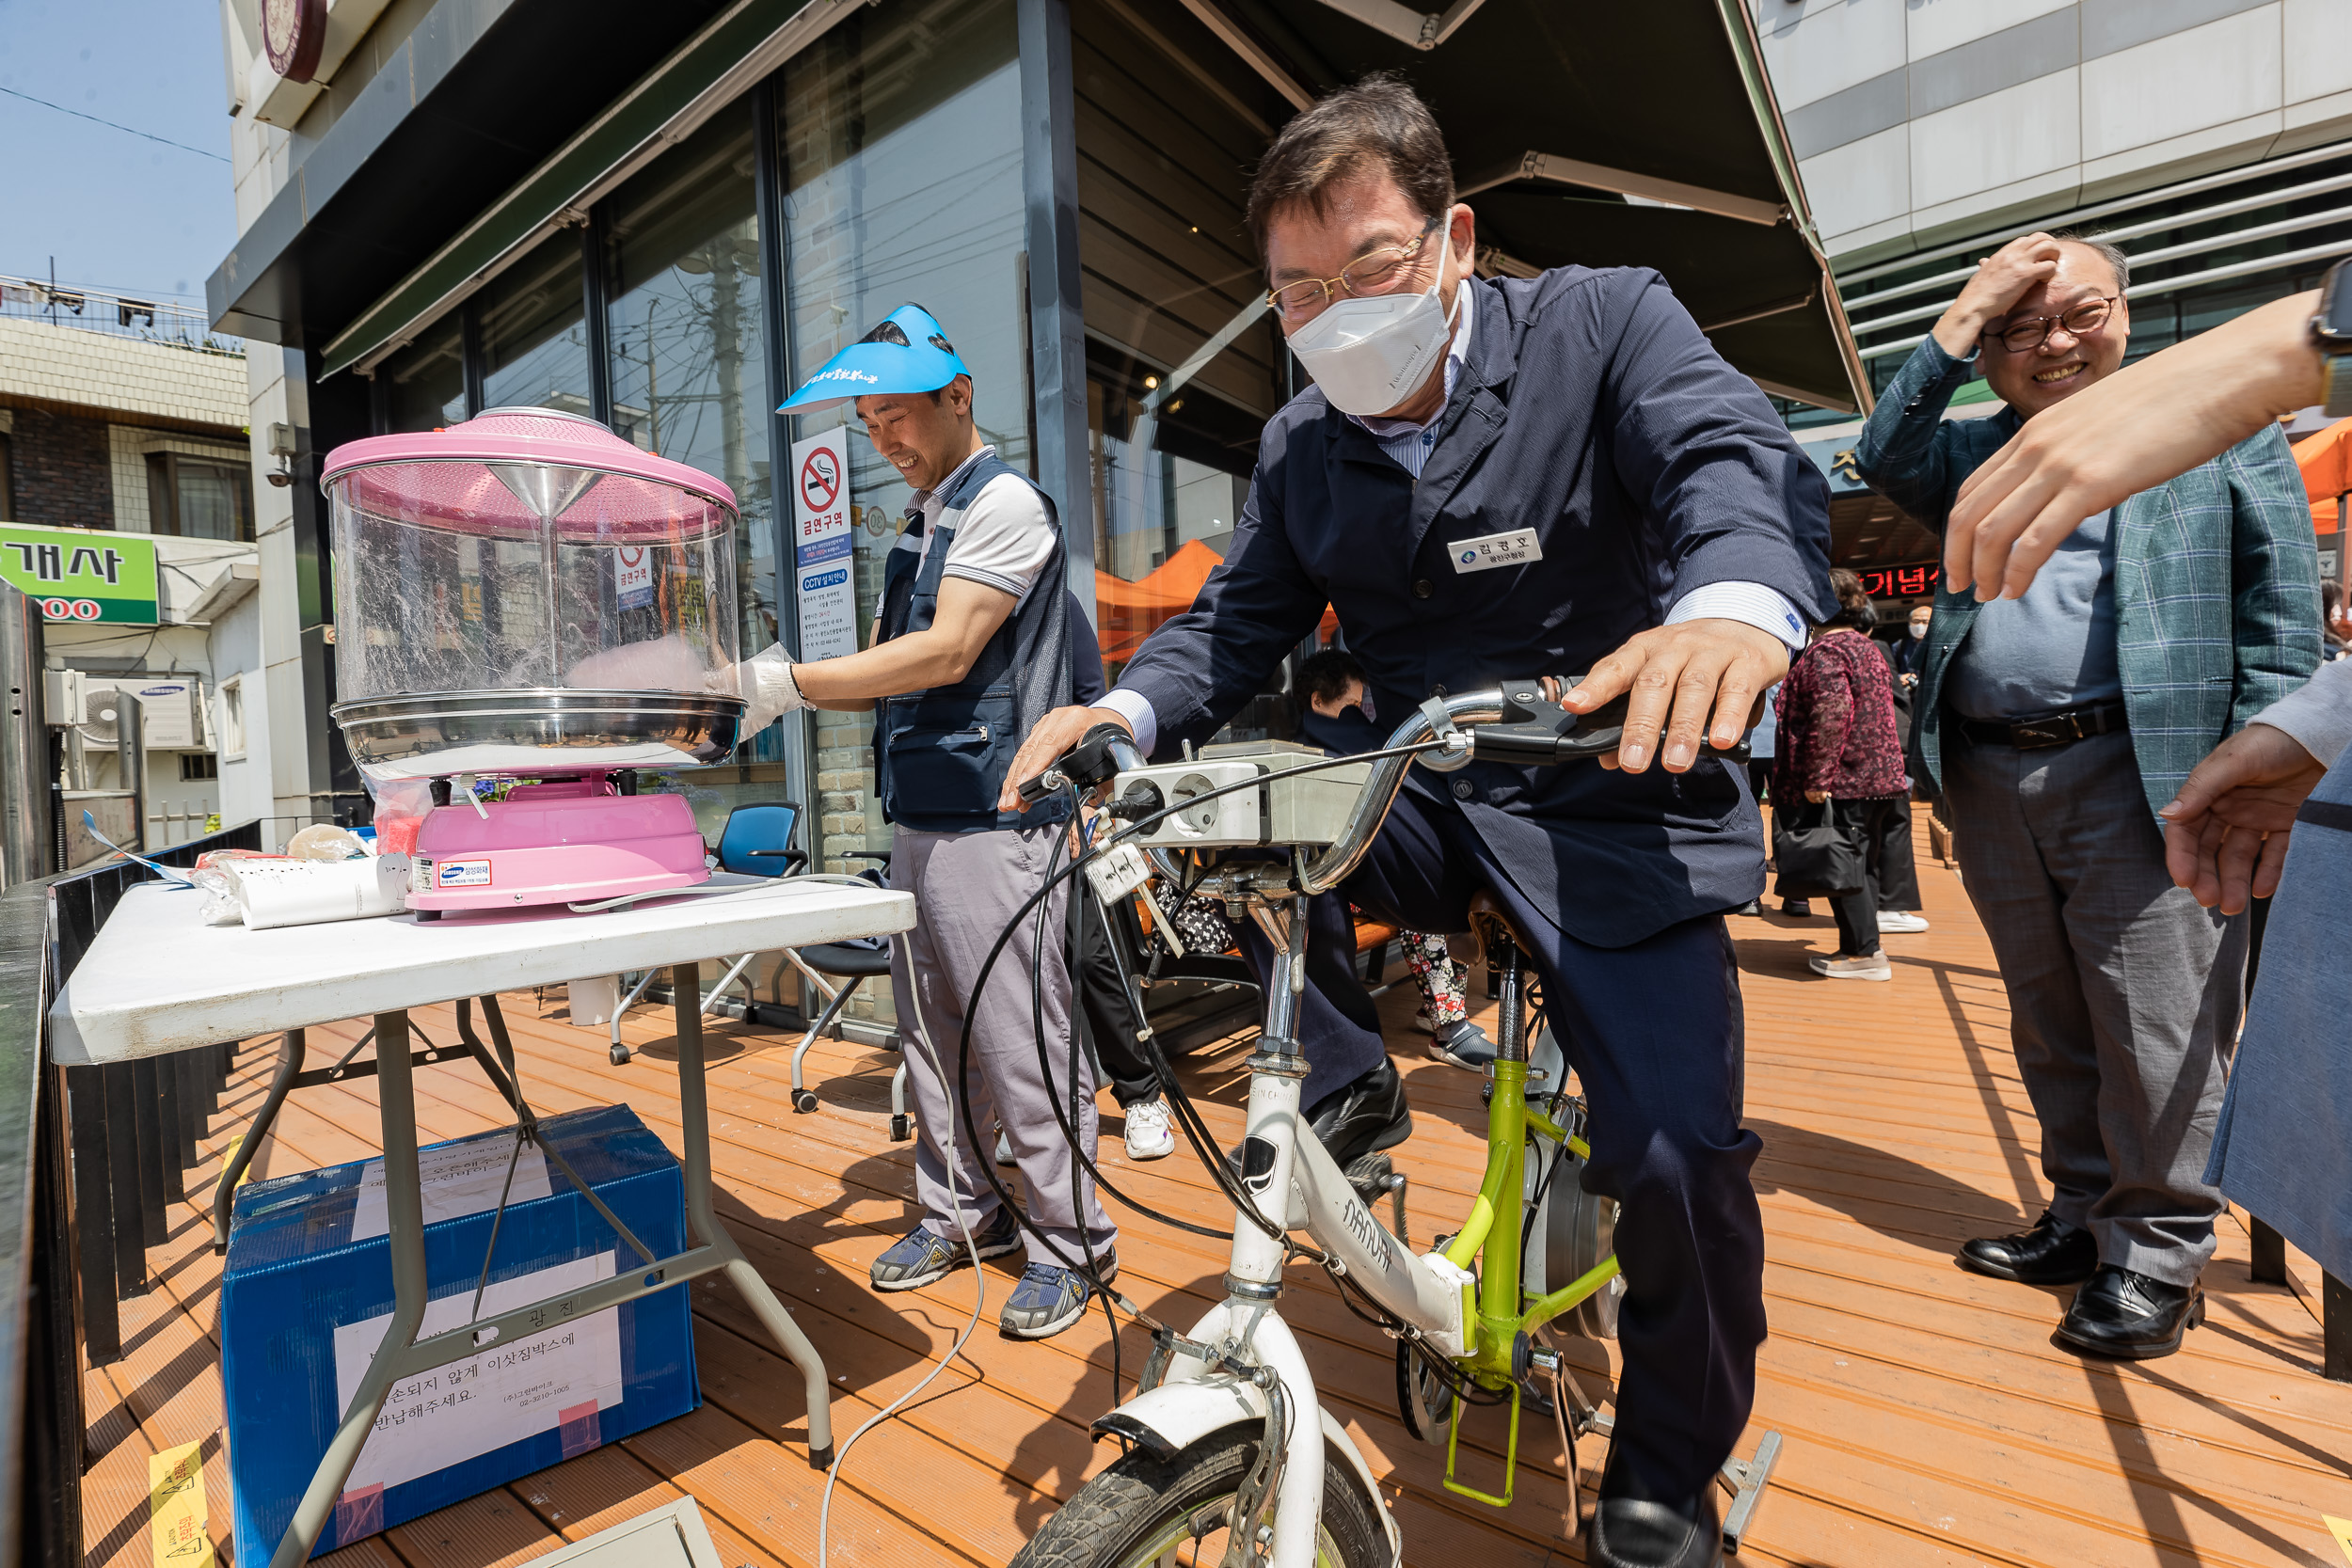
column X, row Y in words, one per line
column 1507, row 477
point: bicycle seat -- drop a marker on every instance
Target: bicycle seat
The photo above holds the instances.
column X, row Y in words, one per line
column 1491, row 923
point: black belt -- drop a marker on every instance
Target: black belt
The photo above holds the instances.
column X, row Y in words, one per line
column 2050, row 729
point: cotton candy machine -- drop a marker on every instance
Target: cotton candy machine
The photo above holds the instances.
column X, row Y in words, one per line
column 527, row 599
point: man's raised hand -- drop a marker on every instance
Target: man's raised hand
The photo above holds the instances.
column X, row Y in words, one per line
column 2001, row 281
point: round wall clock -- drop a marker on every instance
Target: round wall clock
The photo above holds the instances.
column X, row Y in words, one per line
column 293, row 32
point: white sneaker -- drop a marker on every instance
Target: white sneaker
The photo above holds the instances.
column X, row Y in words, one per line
column 1875, row 967
column 1902, row 920
column 1150, row 1135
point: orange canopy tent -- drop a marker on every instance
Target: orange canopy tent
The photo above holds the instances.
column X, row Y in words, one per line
column 1129, row 611
column 2325, row 460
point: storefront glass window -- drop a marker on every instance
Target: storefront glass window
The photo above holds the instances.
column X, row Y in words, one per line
column 686, row 330
column 902, row 183
column 535, row 342
column 1170, row 266
column 426, row 381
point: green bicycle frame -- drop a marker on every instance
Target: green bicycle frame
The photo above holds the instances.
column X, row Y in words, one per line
column 1491, row 1236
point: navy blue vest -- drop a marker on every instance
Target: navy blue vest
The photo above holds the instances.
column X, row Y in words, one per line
column 940, row 755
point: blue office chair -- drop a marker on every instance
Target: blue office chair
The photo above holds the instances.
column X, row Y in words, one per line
column 757, row 840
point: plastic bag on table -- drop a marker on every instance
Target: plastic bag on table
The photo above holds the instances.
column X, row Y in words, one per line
column 324, row 841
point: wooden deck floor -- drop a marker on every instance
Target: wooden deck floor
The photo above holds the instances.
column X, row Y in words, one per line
column 1929, row 1418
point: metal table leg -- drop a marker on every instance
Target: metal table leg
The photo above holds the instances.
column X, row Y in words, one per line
column 403, row 1206
column 401, row 1354
column 291, row 1051
column 702, row 1225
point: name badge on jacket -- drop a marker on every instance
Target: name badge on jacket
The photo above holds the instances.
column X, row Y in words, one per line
column 1515, row 548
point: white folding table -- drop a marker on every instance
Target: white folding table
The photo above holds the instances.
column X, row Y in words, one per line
column 155, row 981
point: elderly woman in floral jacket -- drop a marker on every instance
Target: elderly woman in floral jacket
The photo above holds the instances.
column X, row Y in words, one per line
column 1837, row 745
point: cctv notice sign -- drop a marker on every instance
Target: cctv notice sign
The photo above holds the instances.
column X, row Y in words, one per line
column 79, row 575
column 823, row 570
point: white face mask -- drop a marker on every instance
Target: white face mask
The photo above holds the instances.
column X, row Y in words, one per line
column 1918, row 629
column 1370, row 355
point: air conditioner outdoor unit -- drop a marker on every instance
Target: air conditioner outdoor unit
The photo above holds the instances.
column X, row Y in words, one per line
column 172, row 707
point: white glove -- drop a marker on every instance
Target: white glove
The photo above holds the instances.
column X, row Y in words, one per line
column 764, row 681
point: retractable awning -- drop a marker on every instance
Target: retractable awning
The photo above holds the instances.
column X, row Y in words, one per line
column 1612, row 136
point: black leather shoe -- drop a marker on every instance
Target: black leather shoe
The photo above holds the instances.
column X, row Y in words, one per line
column 2130, row 1316
column 1366, row 1116
column 2052, row 1253
column 1632, row 1530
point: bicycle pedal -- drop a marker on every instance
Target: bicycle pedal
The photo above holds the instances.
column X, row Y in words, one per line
column 1369, row 1175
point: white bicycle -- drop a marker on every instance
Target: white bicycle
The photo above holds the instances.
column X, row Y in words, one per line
column 1231, row 1457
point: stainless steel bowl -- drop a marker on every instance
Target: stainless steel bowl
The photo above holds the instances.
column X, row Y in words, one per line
column 437, row 733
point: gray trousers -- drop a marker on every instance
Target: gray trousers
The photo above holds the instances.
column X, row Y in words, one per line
column 966, row 886
column 2124, row 995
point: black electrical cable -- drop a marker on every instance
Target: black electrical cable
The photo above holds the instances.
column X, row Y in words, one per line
column 1187, row 1116
column 1037, row 1018
column 1085, row 1266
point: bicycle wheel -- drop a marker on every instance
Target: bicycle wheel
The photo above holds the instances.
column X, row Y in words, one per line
column 1177, row 1513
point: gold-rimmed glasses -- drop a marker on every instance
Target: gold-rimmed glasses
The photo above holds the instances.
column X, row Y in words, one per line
column 2028, row 333
column 1375, row 272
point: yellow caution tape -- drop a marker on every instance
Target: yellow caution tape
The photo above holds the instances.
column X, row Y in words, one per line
column 176, row 1512
column 2342, row 1530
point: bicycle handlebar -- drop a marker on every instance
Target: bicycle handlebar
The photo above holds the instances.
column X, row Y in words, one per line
column 1518, row 724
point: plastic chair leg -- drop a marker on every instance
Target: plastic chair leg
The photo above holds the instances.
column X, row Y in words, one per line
column 900, row 1129
column 805, row 1098
column 718, row 993
column 619, row 1052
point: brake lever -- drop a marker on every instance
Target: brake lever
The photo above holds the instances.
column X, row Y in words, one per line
column 1087, row 764
column 1536, row 731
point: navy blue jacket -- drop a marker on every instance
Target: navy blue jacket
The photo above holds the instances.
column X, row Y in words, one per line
column 1592, row 410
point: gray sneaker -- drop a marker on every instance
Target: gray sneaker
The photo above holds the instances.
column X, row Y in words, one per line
column 1464, row 1044
column 1050, row 1298
column 924, row 1257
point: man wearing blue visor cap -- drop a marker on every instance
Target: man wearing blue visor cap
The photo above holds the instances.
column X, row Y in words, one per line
column 972, row 646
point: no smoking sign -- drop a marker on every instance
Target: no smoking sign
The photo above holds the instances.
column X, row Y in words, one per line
column 820, row 480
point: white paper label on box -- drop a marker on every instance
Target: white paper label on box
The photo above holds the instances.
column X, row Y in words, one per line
column 518, row 1389
column 458, row 1180
column 824, row 545
column 471, row 873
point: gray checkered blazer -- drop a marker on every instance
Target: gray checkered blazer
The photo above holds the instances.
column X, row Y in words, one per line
column 2217, row 604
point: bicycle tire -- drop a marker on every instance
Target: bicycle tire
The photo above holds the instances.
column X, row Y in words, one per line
column 1143, row 1505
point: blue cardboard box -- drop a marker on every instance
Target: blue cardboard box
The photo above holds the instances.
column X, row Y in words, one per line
column 307, row 1290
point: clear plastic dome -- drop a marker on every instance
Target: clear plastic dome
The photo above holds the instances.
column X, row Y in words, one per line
column 472, row 574
column 521, row 562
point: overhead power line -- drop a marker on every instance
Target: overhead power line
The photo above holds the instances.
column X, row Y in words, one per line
column 111, row 125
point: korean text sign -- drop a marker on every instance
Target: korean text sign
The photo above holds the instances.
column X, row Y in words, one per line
column 823, row 570
column 78, row 574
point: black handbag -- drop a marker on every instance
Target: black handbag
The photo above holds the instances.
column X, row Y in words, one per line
column 1817, row 854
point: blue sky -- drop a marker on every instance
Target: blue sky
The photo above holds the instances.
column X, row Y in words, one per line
column 119, row 212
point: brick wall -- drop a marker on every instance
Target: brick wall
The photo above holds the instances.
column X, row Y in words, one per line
column 61, row 468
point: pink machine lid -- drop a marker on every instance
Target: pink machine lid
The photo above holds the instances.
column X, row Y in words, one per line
column 507, row 471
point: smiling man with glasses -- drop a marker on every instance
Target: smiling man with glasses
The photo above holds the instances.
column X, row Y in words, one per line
column 2058, row 723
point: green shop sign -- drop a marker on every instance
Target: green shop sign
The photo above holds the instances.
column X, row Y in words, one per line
column 77, row 574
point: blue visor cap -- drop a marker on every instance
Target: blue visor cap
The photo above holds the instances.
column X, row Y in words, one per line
column 907, row 353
